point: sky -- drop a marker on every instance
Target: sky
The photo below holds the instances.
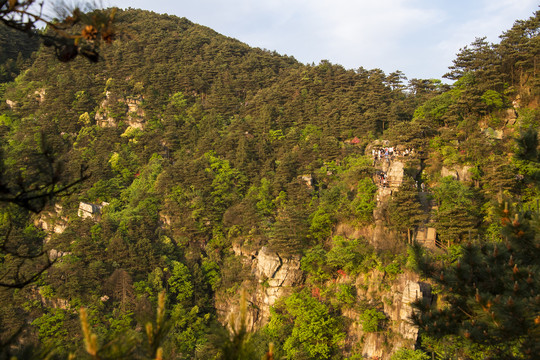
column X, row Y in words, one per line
column 418, row 37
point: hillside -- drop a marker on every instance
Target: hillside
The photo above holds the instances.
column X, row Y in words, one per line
column 16, row 49
column 245, row 184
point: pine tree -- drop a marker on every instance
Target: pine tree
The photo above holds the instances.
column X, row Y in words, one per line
column 405, row 210
column 491, row 301
column 457, row 216
column 120, row 285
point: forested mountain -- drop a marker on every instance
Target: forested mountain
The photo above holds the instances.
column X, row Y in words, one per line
column 16, row 49
column 274, row 202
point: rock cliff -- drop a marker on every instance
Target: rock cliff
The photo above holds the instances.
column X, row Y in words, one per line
column 273, row 276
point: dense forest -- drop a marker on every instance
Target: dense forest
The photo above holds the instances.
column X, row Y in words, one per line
column 190, row 197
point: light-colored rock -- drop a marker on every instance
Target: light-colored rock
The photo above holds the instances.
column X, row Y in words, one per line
column 465, row 173
column 461, row 173
column 274, row 277
column 247, row 252
column 12, row 104
column 413, row 291
column 374, row 346
column 40, row 95
column 133, row 106
column 395, row 174
column 278, row 272
column 87, row 210
column 135, row 114
column 493, row 133
column 383, row 194
column 50, row 302
column 56, row 254
column 405, row 289
column 510, row 116
column 51, row 220
column 449, row 172
column 516, row 103
column 307, row 179
column 132, row 109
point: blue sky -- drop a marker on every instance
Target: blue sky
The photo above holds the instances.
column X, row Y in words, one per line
column 418, row 37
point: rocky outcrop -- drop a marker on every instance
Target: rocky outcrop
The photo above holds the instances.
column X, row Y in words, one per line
column 11, row 104
column 135, row 115
column 113, row 106
column 103, row 116
column 93, row 211
column 40, row 95
column 393, row 170
column 397, row 300
column 402, row 311
column 48, row 300
column 510, row 116
column 395, row 174
column 276, row 275
column 51, row 220
column 273, row 277
column 461, row 173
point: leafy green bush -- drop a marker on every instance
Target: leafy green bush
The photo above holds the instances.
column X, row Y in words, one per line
column 346, row 294
column 315, row 332
column 350, row 255
column 371, row 320
column 409, row 354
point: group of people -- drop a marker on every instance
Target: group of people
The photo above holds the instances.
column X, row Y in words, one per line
column 378, row 154
column 382, row 179
column 389, row 152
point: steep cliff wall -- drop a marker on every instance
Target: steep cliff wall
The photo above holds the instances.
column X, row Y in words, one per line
column 273, row 276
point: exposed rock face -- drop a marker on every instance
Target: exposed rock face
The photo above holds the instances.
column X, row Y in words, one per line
column 461, row 173
column 52, row 220
column 383, row 237
column 273, row 278
column 247, row 253
column 405, row 290
column 448, row 172
column 12, row 104
column 307, row 179
column 275, row 275
column 47, row 301
column 130, row 106
column 413, row 291
column 135, row 113
column 103, row 117
column 465, row 173
column 40, row 95
column 510, row 116
column 494, row 133
column 383, row 195
column 395, row 174
column 87, row 210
